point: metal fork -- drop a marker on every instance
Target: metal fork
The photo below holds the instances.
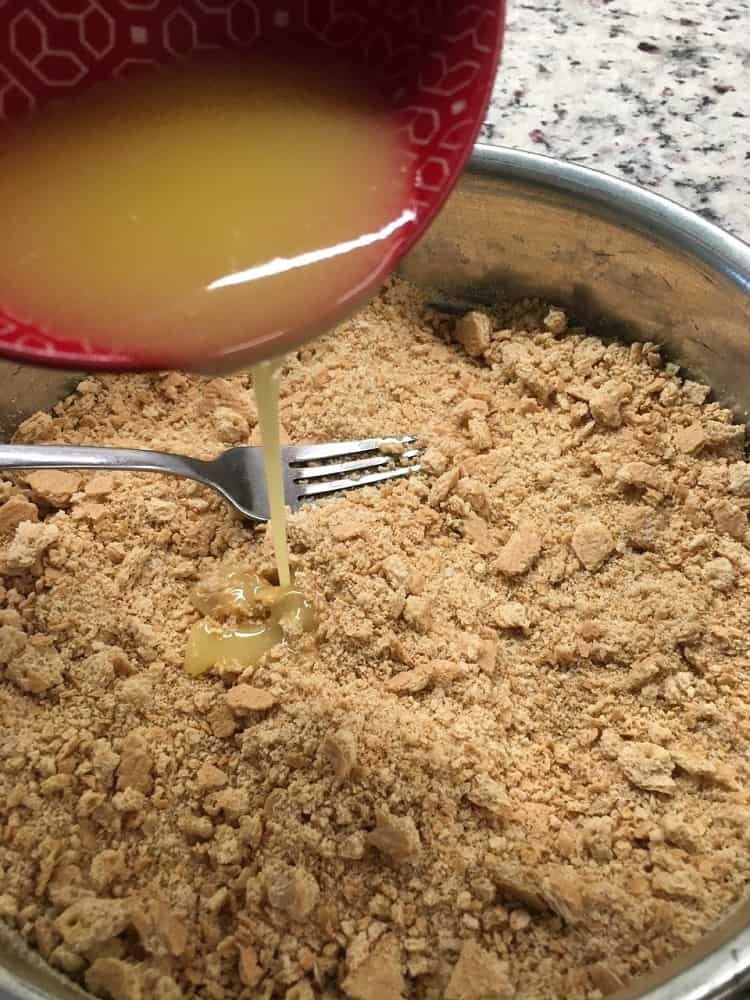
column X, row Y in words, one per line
column 237, row 474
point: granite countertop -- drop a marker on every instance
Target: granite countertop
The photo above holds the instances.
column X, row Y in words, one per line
column 653, row 91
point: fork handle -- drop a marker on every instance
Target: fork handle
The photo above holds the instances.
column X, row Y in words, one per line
column 58, row 456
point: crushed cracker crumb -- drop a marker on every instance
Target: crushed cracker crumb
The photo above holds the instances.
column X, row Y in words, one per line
column 510, row 761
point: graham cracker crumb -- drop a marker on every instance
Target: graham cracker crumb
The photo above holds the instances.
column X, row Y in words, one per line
column 53, row 486
column 479, row 975
column 293, row 890
column 15, row 511
column 510, row 760
column 209, row 777
column 473, row 332
column 114, row 978
column 604, row 979
column 244, row 699
column 556, row 322
column 512, row 615
column 378, row 976
column 519, row 553
column 592, row 543
column 648, row 766
column 249, row 971
column 395, row 836
column 35, row 429
column 89, row 922
column 340, row 749
column 739, row 479
column 691, row 439
column 719, row 574
column 30, row 540
column 410, row 681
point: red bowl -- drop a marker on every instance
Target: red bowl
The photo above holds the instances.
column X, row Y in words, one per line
column 435, row 60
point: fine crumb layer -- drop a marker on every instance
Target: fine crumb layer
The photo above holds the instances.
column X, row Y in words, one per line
column 511, row 761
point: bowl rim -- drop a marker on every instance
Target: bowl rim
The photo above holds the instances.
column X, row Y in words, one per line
column 628, row 204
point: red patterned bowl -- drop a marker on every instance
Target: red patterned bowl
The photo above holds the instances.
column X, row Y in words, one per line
column 435, row 59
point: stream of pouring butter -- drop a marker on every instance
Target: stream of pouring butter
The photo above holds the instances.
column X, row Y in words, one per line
column 238, row 593
column 266, row 383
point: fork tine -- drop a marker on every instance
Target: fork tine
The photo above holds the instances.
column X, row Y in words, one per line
column 338, row 449
column 335, row 485
column 341, row 468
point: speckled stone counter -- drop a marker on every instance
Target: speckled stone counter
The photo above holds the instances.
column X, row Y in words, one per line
column 653, row 91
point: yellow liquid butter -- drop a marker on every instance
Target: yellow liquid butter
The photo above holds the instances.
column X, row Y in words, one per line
column 241, row 594
column 200, row 208
column 266, row 383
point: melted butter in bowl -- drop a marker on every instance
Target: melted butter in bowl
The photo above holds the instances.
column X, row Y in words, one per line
column 205, row 211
